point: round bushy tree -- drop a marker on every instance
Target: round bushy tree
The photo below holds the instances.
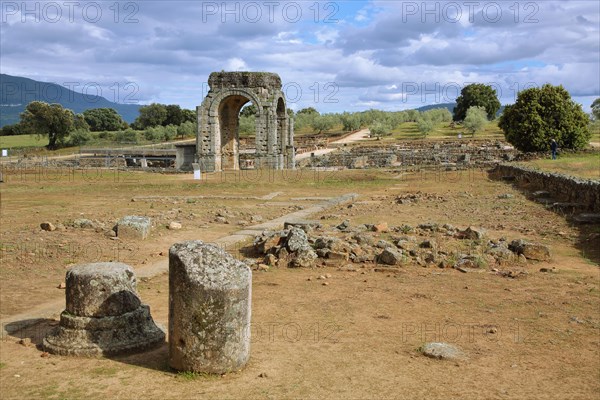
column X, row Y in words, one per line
column 476, row 95
column 50, row 120
column 104, row 119
column 542, row 114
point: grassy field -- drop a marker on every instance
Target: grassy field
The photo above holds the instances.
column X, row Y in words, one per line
column 409, row 131
column 581, row 165
column 19, row 141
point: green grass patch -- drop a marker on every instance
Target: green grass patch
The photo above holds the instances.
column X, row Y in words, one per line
column 580, row 165
column 193, row 376
column 2, row 365
column 20, row 141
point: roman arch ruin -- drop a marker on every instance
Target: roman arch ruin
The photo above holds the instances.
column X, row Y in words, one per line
column 217, row 142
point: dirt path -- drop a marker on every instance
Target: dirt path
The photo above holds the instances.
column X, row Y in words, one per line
column 355, row 137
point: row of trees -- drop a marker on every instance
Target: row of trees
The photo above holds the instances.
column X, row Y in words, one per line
column 539, row 115
column 65, row 128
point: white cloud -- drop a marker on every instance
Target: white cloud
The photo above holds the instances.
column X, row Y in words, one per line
column 236, row 64
column 374, row 54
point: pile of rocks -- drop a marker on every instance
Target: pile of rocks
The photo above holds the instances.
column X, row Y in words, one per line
column 409, row 198
column 286, row 248
column 427, row 244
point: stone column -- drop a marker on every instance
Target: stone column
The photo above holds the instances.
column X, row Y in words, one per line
column 104, row 315
column 209, row 309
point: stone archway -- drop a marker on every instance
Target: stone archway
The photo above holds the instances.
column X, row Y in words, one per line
column 217, row 143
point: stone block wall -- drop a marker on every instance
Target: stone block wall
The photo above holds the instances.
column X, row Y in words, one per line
column 413, row 155
column 563, row 187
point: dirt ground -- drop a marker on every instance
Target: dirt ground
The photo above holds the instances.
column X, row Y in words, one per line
column 536, row 336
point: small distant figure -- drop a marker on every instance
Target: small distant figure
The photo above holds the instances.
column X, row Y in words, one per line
column 460, row 135
column 553, row 147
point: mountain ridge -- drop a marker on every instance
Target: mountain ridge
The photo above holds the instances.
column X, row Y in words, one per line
column 16, row 92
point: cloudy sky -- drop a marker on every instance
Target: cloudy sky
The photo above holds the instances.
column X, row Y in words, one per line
column 334, row 56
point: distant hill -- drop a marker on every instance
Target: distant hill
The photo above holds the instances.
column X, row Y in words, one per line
column 450, row 107
column 16, row 92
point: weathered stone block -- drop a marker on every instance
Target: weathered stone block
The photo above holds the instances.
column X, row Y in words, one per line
column 390, row 256
column 104, row 315
column 134, row 227
column 209, row 309
column 101, row 290
column 531, row 251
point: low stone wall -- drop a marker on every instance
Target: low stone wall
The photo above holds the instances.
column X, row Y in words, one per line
column 563, row 187
column 416, row 154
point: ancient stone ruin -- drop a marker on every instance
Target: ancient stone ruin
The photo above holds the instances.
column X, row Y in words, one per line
column 104, row 315
column 217, row 143
column 134, row 227
column 209, row 309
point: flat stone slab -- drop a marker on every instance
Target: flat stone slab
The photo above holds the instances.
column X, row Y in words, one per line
column 442, row 351
column 568, row 206
column 541, row 193
column 305, row 225
column 134, row 227
column 545, row 200
column 587, row 218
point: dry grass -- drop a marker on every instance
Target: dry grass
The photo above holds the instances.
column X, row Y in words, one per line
column 580, row 165
column 355, row 338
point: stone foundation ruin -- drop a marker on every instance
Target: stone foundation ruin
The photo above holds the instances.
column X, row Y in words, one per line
column 104, row 315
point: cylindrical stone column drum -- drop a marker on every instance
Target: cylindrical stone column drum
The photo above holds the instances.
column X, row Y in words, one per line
column 210, row 295
column 104, row 315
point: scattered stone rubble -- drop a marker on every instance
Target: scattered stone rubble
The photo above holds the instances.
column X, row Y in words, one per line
column 428, row 244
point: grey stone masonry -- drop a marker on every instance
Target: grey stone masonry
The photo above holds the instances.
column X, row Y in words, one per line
column 217, row 143
column 567, row 188
column 209, row 309
column 104, row 315
column 134, row 227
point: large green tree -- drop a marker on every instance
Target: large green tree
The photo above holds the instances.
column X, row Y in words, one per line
column 151, row 115
column 476, row 94
column 308, row 110
column 189, row 115
column 174, row 115
column 104, row 119
column 542, row 114
column 50, row 120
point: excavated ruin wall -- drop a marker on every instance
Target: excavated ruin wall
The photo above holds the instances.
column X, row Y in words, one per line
column 564, row 187
column 416, row 155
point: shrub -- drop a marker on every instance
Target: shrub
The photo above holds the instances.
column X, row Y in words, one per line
column 126, row 136
column 78, row 137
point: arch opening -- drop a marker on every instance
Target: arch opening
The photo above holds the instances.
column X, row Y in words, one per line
column 229, row 124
